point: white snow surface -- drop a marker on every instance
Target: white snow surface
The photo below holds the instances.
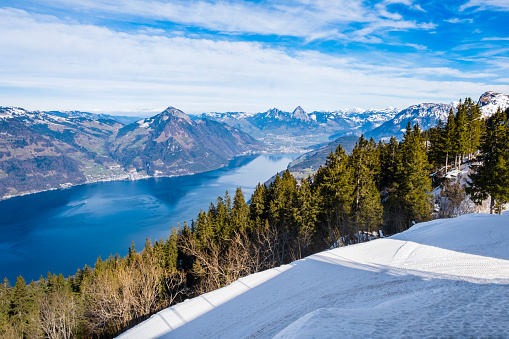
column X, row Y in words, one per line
column 491, row 101
column 444, row 278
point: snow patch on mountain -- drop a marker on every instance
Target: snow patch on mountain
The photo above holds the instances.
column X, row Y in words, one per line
column 491, row 101
column 426, row 115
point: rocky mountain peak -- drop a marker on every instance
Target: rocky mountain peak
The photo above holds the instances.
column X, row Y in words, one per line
column 175, row 113
column 490, row 101
column 299, row 114
column 274, row 113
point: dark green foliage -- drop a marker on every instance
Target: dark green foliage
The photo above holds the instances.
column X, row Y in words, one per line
column 475, row 125
column 448, row 140
column 491, row 173
column 334, row 186
column 462, row 142
column 365, row 168
column 436, row 149
column 410, row 201
column 388, row 163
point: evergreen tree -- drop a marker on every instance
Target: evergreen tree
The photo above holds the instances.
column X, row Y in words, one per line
column 436, row 153
column 204, row 231
column 461, row 139
column 365, row 167
column 491, row 175
column 240, row 212
column 334, row 186
column 448, row 138
column 475, row 126
column 411, row 201
column 305, row 215
column 258, row 206
column 388, row 163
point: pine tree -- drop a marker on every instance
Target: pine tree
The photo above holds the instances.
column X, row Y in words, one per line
column 388, row 163
column 240, row 212
column 365, row 167
column 448, row 138
column 306, row 217
column 258, row 206
column 411, row 201
column 436, row 152
column 491, row 175
column 334, row 186
column 461, row 139
column 475, row 126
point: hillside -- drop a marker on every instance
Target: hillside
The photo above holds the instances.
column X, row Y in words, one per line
column 444, row 278
column 309, row 162
column 47, row 150
column 170, row 143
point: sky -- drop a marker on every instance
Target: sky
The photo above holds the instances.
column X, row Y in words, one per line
column 137, row 57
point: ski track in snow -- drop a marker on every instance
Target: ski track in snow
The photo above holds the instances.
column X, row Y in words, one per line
column 444, row 278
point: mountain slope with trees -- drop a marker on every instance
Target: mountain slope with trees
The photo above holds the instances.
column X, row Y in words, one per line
column 445, row 278
column 41, row 151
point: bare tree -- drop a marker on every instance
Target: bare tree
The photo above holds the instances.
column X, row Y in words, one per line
column 59, row 314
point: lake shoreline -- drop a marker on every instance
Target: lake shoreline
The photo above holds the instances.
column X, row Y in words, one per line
column 61, row 230
column 128, row 177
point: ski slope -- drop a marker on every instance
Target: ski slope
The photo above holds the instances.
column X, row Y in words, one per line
column 444, row 278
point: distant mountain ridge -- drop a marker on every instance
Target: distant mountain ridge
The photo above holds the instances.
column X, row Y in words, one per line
column 323, row 126
column 48, row 150
column 490, row 101
column 300, row 129
column 426, row 115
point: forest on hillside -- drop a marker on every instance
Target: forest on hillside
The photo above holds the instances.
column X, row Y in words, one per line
column 382, row 186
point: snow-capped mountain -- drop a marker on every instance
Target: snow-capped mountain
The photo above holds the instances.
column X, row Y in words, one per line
column 47, row 150
column 426, row 115
column 299, row 114
column 444, row 278
column 10, row 112
column 302, row 129
column 491, row 101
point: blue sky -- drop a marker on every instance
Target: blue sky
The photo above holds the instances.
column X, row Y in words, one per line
column 138, row 57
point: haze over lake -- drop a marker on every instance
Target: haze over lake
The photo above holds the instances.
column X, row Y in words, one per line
column 63, row 230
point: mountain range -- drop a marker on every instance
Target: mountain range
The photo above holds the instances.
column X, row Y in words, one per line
column 426, row 115
column 47, row 150
column 297, row 131
column 305, row 129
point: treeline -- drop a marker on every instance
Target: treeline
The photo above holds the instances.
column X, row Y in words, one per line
column 378, row 187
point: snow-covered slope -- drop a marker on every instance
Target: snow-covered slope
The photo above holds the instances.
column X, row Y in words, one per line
column 444, row 278
column 491, row 101
column 426, row 115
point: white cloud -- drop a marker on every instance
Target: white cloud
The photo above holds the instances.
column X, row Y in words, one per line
column 456, row 20
column 419, row 8
column 48, row 64
column 310, row 20
column 495, row 39
column 501, row 5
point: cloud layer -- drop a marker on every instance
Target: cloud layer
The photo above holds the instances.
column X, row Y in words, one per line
column 50, row 62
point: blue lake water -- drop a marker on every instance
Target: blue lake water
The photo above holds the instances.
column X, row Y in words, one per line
column 63, row 230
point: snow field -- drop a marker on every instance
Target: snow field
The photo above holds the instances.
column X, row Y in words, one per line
column 444, row 278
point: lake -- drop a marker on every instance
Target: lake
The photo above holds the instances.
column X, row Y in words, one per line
column 62, row 230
